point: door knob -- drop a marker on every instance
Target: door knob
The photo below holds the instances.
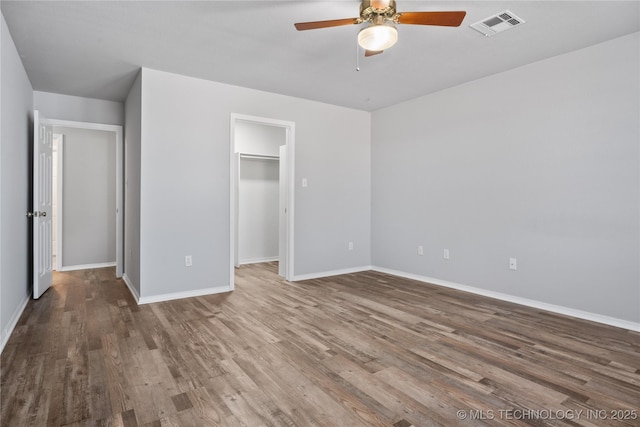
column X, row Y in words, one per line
column 36, row 214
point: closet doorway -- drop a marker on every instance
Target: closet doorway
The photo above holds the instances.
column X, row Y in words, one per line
column 262, row 192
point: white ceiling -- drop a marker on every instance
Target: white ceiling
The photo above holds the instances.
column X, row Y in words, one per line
column 94, row 49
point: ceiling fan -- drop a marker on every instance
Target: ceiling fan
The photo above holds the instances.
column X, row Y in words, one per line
column 381, row 15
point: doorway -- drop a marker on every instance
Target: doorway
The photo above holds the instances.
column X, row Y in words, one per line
column 88, row 184
column 262, row 165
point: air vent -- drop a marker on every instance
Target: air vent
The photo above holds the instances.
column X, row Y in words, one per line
column 497, row 23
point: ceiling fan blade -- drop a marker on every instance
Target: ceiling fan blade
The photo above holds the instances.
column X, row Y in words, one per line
column 445, row 19
column 301, row 26
column 372, row 52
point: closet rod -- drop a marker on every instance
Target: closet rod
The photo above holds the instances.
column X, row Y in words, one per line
column 258, row 156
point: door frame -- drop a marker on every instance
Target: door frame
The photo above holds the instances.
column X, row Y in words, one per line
column 117, row 129
column 290, row 168
column 59, row 186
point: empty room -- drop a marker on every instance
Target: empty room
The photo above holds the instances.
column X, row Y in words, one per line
column 319, row 213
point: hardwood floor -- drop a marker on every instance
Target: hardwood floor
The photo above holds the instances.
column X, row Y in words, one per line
column 364, row 349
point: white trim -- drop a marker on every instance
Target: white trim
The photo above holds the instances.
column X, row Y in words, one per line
column 87, row 266
column 2, row 338
column 258, row 260
column 173, row 295
column 119, row 181
column 235, row 201
column 290, row 144
column 331, row 273
column 132, row 289
column 84, row 125
column 580, row 314
column 13, row 321
column 291, row 180
column 186, row 294
column 59, row 195
column 233, row 171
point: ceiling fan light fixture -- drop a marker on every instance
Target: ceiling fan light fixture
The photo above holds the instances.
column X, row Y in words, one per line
column 378, row 37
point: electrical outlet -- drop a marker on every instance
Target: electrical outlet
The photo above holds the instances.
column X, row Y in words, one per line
column 513, row 264
column 350, row 246
column 420, row 250
column 188, row 262
column 445, row 254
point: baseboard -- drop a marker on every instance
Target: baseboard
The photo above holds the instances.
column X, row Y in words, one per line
column 171, row 296
column 186, row 294
column 331, row 273
column 132, row 289
column 585, row 315
column 87, row 266
column 258, row 260
column 13, row 321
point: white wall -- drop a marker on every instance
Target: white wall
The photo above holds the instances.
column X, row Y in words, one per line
column 78, row 109
column 540, row 163
column 132, row 164
column 185, row 181
column 16, row 122
column 88, row 197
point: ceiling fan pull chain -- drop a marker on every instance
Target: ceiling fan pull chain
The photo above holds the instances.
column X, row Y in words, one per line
column 357, row 56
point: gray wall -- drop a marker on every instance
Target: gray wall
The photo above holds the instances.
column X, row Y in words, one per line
column 132, row 164
column 540, row 163
column 88, row 197
column 75, row 108
column 185, row 181
column 16, row 106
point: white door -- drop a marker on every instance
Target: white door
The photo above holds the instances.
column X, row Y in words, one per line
column 282, row 216
column 42, row 204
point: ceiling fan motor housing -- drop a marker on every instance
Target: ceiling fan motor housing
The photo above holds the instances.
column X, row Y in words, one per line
column 377, row 10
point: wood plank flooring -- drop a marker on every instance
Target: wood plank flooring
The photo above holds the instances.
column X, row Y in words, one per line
column 364, row 349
